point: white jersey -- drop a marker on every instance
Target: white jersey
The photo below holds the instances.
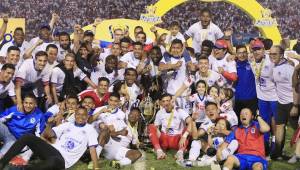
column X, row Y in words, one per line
column 58, row 77
column 62, row 52
column 212, row 78
column 115, row 118
column 30, row 77
column 132, row 137
column 99, row 71
column 106, row 52
column 72, row 141
column 177, row 76
column 131, row 60
column 265, row 85
column 198, row 34
column 177, row 122
column 283, row 74
column 207, row 123
column 23, row 48
column 41, row 47
column 170, row 38
column 229, row 66
column 198, row 106
column 230, row 117
column 7, row 89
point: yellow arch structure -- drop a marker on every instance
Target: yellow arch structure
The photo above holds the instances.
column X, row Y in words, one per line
column 259, row 14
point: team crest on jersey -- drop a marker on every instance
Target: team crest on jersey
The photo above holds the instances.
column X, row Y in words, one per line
column 252, row 130
column 32, row 120
column 70, row 145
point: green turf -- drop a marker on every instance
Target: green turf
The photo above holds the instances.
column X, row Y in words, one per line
column 170, row 164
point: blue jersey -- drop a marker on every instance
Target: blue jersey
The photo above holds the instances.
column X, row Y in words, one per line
column 20, row 123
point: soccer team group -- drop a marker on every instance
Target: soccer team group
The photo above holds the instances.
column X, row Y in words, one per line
column 214, row 103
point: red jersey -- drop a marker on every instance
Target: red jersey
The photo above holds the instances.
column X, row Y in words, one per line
column 251, row 140
column 93, row 93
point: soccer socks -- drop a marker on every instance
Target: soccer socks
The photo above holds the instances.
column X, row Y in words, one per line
column 195, row 150
column 99, row 150
column 153, row 136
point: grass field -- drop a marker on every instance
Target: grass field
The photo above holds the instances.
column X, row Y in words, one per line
column 170, row 164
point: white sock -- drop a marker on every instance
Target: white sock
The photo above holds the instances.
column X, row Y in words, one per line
column 273, row 138
column 225, row 168
column 99, row 150
column 232, row 147
column 26, row 155
column 125, row 161
column 195, row 150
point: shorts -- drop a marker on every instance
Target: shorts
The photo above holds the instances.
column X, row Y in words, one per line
column 283, row 113
column 120, row 154
column 247, row 161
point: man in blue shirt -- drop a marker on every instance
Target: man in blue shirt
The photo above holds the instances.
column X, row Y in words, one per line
column 15, row 124
column 245, row 94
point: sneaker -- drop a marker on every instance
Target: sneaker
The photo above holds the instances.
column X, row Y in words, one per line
column 18, row 161
column 293, row 159
column 215, row 166
column 179, row 155
column 160, row 154
column 181, row 163
column 115, row 164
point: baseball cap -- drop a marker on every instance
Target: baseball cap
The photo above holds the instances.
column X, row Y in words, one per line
column 257, row 44
column 221, row 44
column 88, row 33
column 45, row 25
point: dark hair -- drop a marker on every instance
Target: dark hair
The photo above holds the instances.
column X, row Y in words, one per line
column 40, row 53
column 70, row 55
column 205, row 10
column 176, row 41
column 30, row 95
column 165, row 95
column 281, row 50
column 135, row 109
column 72, row 96
column 201, row 81
column 157, row 48
column 190, row 49
column 87, row 97
column 13, row 48
column 64, row 34
column 125, row 40
column 228, row 126
column 228, row 92
column 8, row 66
column 213, row 86
column 130, row 69
column 137, row 43
column 103, row 79
column 117, row 95
column 138, row 27
column 141, row 32
column 207, row 43
column 203, row 57
column 19, row 29
column 208, row 103
column 81, row 108
column 268, row 43
column 174, row 23
column 51, row 46
column 111, row 57
column 240, row 46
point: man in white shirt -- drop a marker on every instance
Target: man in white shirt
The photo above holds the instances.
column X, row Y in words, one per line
column 12, row 57
column 135, row 58
column 65, row 46
column 203, row 30
column 6, row 85
column 71, row 141
column 175, row 125
column 63, row 78
column 31, row 76
column 18, row 41
column 287, row 98
column 262, row 68
column 205, row 73
column 45, row 35
column 220, row 63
